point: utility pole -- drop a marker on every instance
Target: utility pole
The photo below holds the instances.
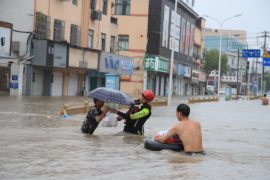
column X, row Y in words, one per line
column 237, row 87
column 264, row 49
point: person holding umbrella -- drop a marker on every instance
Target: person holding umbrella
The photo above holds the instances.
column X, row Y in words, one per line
column 100, row 95
column 94, row 116
column 137, row 114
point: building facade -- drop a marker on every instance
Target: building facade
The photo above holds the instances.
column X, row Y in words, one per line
column 79, row 45
column 66, row 49
column 16, row 27
column 183, row 32
column 232, row 42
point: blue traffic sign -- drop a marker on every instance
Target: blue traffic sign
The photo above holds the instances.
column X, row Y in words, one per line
column 266, row 61
column 251, row 53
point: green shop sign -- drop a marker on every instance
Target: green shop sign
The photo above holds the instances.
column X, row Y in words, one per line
column 155, row 63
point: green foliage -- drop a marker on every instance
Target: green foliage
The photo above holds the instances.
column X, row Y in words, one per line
column 211, row 61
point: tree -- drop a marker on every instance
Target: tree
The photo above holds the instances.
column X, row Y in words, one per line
column 211, row 61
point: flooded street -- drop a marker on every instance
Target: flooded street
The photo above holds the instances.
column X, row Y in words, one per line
column 38, row 144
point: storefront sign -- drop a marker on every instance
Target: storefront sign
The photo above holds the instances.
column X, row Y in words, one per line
column 180, row 69
column 115, row 64
column 183, row 70
column 187, row 72
column 195, row 76
column 155, row 63
column 112, row 81
column 14, row 77
column 13, row 85
column 202, row 77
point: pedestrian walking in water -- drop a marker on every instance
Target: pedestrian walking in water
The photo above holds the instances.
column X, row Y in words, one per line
column 94, row 116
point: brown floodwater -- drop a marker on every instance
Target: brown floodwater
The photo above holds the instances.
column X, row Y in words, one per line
column 36, row 143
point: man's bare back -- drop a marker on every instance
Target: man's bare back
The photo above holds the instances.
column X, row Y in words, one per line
column 188, row 131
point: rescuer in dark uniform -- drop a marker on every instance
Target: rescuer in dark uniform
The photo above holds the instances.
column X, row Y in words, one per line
column 137, row 114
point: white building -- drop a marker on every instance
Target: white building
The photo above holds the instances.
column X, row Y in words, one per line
column 22, row 21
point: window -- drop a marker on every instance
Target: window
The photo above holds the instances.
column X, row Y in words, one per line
column 59, row 30
column 104, row 7
column 75, row 2
column 75, row 35
column 112, row 46
column 42, row 26
column 34, row 77
column 90, row 38
column 123, row 42
column 103, row 41
column 122, row 7
column 93, row 5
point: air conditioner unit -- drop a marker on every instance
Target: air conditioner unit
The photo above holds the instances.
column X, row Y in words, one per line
column 83, row 64
column 15, row 46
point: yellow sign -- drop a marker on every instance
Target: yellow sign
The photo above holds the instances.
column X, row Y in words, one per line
column 266, row 54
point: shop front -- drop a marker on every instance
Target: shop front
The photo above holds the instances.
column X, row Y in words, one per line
column 202, row 83
column 82, row 75
column 182, row 83
column 45, row 74
column 113, row 66
column 195, row 82
column 156, row 74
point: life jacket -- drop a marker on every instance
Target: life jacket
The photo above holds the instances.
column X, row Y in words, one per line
column 135, row 125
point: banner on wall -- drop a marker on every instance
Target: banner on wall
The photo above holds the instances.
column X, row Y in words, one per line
column 165, row 32
column 155, row 63
column 112, row 81
column 115, row 64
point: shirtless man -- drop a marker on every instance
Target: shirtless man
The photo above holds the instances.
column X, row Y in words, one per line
column 188, row 131
column 265, row 100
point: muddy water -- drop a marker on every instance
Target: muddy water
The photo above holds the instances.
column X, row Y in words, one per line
column 38, row 144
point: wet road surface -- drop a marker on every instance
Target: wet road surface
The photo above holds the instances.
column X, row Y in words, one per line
column 38, row 144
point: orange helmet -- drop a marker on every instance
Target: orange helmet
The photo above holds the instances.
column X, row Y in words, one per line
column 148, row 95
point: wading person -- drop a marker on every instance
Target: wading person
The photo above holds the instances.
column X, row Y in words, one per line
column 137, row 114
column 94, row 116
column 188, row 131
column 265, row 100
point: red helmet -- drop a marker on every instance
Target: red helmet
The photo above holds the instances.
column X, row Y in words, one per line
column 148, row 95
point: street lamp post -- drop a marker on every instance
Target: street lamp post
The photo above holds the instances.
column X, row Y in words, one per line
column 172, row 60
column 220, row 42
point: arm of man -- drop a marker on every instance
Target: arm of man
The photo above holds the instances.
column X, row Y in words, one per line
column 119, row 113
column 142, row 113
column 170, row 133
column 100, row 117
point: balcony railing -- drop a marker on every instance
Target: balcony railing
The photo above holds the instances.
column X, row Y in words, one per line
column 42, row 26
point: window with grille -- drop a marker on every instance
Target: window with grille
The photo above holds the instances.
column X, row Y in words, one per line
column 123, row 42
column 93, row 4
column 90, row 38
column 103, row 41
column 122, row 7
column 104, row 7
column 112, row 46
column 75, row 35
column 59, row 30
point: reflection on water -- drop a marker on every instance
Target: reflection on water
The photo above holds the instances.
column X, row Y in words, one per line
column 38, row 144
